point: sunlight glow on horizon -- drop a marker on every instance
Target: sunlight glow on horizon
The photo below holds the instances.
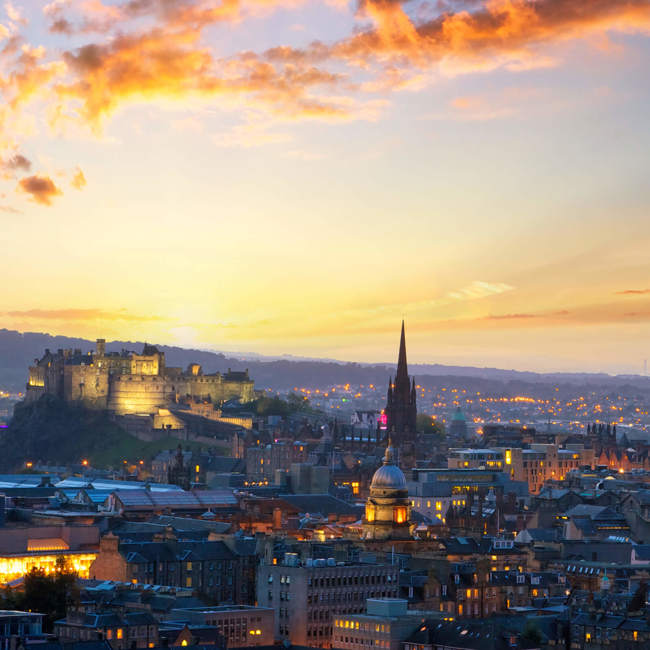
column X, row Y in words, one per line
column 278, row 176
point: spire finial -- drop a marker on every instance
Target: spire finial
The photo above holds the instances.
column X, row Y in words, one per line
column 389, row 456
column 402, row 366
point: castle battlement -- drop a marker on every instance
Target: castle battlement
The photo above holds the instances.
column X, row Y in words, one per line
column 127, row 382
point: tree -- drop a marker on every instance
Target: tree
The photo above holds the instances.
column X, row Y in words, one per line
column 531, row 636
column 426, row 424
column 270, row 406
column 297, row 402
column 50, row 594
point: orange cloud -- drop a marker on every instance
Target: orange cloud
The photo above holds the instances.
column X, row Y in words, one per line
column 15, row 163
column 78, row 180
column 80, row 315
column 633, row 292
column 160, row 64
column 166, row 58
column 500, row 27
column 41, row 188
column 509, row 316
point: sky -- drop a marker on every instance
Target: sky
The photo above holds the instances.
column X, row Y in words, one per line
column 297, row 176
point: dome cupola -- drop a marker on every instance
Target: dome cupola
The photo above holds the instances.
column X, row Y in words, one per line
column 389, row 476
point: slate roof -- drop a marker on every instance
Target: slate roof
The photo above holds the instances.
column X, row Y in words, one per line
column 173, row 551
column 110, row 485
column 223, row 464
column 642, row 552
column 324, row 504
column 543, row 534
column 201, row 499
column 27, row 480
column 585, row 510
column 96, row 620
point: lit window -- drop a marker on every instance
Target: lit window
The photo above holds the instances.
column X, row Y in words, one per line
column 120, row 633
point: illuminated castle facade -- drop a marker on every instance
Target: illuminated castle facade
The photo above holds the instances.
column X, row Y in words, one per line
column 127, row 382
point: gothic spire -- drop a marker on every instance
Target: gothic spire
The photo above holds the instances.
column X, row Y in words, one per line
column 402, row 367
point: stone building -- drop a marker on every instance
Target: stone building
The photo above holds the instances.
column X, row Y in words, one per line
column 388, row 509
column 308, row 596
column 385, row 624
column 127, row 382
column 122, row 631
column 240, row 625
column 223, row 571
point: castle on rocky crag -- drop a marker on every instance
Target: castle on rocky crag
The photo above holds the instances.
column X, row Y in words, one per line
column 127, row 382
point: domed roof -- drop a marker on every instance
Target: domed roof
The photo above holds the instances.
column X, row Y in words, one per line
column 389, row 476
column 458, row 415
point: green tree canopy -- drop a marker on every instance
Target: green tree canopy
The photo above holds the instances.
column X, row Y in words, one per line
column 426, row 424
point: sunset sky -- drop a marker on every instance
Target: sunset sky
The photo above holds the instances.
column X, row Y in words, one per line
column 297, row 176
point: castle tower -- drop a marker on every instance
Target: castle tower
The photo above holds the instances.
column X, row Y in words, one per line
column 401, row 407
column 388, row 509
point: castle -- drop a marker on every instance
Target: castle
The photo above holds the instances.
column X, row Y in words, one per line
column 127, row 382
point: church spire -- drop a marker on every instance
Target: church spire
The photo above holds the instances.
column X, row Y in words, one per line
column 402, row 366
column 401, row 408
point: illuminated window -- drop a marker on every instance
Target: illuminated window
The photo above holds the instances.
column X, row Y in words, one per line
column 120, row 633
column 370, row 512
column 109, row 634
column 438, row 505
column 587, row 637
column 184, row 642
column 399, row 515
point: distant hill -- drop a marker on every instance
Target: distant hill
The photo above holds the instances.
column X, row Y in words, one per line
column 18, row 351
